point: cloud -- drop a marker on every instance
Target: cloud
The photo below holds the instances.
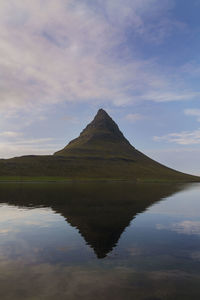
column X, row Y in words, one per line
column 7, row 230
column 10, row 134
column 134, row 117
column 79, row 51
column 182, row 138
column 40, row 146
column 162, row 96
column 185, row 227
column 33, row 141
column 193, row 112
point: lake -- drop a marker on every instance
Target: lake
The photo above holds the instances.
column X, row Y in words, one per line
column 100, row 240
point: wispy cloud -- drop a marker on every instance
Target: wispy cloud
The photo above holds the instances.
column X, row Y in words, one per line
column 40, row 146
column 182, row 138
column 10, row 134
column 54, row 51
column 33, row 141
column 185, row 227
column 7, row 231
column 163, row 96
column 193, row 112
column 84, row 52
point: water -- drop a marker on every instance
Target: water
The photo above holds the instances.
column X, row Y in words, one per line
column 99, row 241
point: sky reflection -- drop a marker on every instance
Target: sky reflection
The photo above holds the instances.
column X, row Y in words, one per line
column 42, row 256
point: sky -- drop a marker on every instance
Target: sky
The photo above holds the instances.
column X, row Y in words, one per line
column 62, row 60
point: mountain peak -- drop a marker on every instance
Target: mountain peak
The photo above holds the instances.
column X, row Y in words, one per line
column 102, row 117
column 102, row 121
column 100, row 136
column 102, row 114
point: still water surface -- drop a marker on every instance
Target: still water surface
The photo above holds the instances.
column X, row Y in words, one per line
column 99, row 241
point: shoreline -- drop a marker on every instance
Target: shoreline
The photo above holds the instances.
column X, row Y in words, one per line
column 73, row 180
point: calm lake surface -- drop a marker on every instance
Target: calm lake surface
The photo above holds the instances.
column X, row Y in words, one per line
column 99, row 241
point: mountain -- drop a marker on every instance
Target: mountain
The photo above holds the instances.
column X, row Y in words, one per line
column 100, row 152
column 101, row 138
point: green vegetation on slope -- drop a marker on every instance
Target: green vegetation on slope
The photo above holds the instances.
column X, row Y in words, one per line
column 58, row 168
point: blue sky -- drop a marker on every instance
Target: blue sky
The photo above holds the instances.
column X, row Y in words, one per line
column 60, row 61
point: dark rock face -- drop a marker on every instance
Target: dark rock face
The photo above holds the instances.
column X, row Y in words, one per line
column 101, row 137
column 103, row 127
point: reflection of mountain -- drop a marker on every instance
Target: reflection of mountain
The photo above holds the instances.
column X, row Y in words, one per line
column 100, row 211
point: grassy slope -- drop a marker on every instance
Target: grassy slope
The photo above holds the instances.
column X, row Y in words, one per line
column 59, row 168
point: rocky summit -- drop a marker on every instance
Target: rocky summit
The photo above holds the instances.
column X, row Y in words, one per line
column 100, row 152
column 100, row 138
